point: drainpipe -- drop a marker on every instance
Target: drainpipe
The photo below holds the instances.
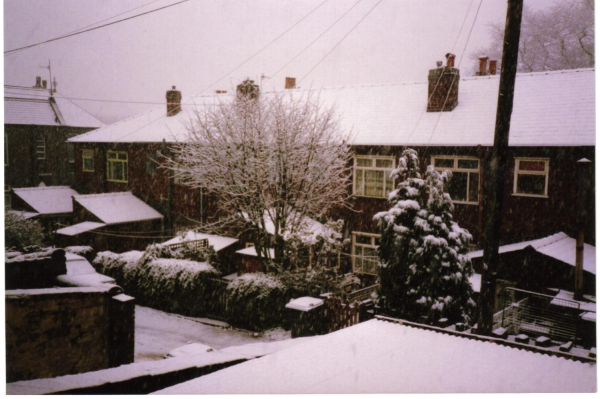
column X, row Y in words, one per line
column 480, row 195
column 583, row 187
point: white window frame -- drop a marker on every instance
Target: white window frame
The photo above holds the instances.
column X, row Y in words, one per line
column 40, row 149
column 355, row 256
column 373, row 159
column 455, row 168
column 518, row 172
column 124, row 162
column 87, row 153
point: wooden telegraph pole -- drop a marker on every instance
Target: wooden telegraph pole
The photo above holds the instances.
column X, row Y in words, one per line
column 510, row 53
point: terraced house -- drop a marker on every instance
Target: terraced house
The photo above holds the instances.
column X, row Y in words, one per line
column 447, row 118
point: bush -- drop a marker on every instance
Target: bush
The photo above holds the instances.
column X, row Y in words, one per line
column 158, row 278
column 20, row 233
column 257, row 301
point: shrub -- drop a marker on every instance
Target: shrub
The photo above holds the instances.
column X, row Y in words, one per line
column 20, row 233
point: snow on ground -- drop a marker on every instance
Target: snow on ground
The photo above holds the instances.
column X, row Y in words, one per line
column 157, row 333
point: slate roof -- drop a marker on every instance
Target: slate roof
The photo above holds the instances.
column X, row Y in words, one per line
column 48, row 200
column 113, row 208
column 32, row 106
column 384, row 357
column 550, row 109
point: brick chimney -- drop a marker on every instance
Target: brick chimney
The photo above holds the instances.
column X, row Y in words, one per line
column 38, row 81
column 173, row 102
column 443, row 86
column 249, row 89
column 290, row 83
column 483, row 70
column 493, row 67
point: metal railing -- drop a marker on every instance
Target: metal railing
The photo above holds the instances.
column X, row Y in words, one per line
column 538, row 314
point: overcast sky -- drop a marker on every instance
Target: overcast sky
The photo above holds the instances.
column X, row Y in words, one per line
column 192, row 45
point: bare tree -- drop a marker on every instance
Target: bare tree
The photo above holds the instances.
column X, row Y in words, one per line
column 274, row 161
column 561, row 37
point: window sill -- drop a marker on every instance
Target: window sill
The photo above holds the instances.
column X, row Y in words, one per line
column 116, row 181
column 465, row 203
column 88, row 171
column 368, row 196
column 529, row 195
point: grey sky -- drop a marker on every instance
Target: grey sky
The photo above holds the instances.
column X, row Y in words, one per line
column 193, row 44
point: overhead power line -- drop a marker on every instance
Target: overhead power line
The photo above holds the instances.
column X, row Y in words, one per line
column 314, row 41
column 239, row 66
column 342, row 39
column 95, row 28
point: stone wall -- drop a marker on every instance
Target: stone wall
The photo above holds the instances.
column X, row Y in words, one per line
column 57, row 331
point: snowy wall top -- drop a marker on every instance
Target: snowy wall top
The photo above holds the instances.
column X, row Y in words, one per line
column 550, row 109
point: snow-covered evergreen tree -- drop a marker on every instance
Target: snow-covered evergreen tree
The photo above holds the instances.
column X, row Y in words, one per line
column 424, row 269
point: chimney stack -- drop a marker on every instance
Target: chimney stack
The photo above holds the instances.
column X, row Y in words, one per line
column 248, row 89
column 173, row 102
column 483, row 60
column 493, row 67
column 38, row 81
column 45, row 84
column 442, row 92
column 221, row 91
column 290, row 83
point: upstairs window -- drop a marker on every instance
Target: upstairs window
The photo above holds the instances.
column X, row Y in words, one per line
column 40, row 148
column 464, row 185
column 364, row 253
column 116, row 166
column 531, row 177
column 88, row 160
column 372, row 176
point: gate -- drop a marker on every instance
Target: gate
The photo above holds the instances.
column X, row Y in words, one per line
column 340, row 315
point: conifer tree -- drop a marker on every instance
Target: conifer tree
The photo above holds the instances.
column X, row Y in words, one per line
column 424, row 269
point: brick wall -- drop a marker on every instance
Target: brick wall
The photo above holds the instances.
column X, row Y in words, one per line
column 57, row 331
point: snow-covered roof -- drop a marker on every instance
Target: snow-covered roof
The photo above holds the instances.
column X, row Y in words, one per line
column 562, row 247
column 113, row 208
column 558, row 246
column 217, row 242
column 48, row 200
column 32, row 106
column 79, row 228
column 251, row 251
column 305, row 303
column 550, row 109
column 588, row 303
column 475, row 281
column 311, row 228
column 383, row 357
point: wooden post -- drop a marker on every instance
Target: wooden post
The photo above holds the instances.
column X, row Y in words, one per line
column 583, row 186
column 510, row 53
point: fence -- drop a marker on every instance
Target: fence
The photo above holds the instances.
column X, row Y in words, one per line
column 362, row 294
column 340, row 315
column 538, row 314
column 195, row 244
column 218, row 308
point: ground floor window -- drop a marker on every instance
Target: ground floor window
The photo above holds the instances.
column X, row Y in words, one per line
column 364, row 253
column 531, row 177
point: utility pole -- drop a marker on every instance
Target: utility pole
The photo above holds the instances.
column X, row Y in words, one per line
column 510, row 53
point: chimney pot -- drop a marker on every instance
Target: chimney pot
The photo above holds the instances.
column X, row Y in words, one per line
column 290, row 83
column 450, row 60
column 493, row 67
column 38, row 81
column 439, row 64
column 173, row 102
column 482, row 65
